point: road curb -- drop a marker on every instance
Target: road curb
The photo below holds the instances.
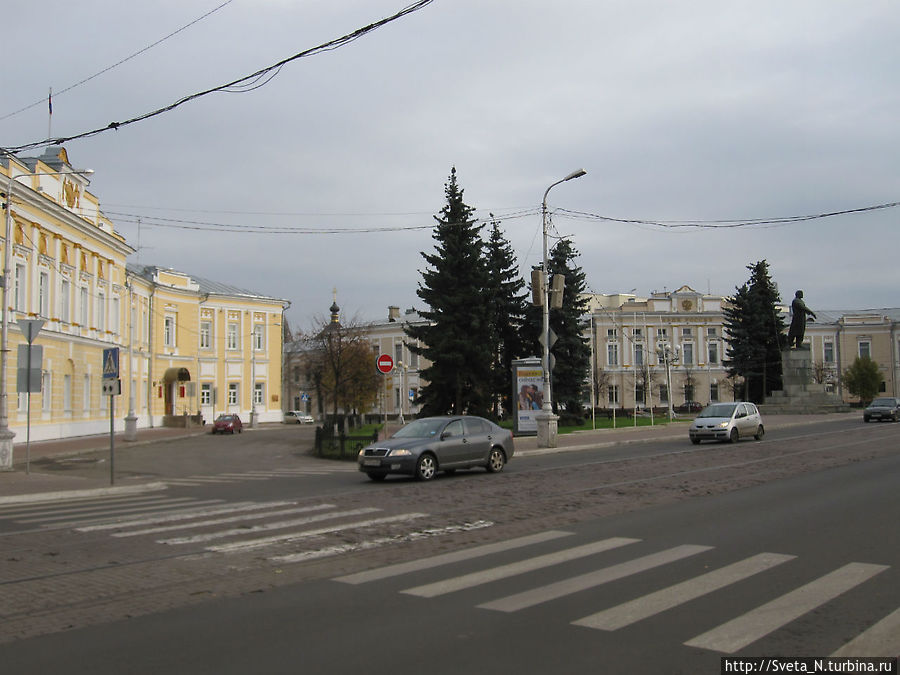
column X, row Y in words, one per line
column 77, row 494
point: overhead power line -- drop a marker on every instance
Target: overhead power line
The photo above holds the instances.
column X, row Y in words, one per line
column 43, row 101
column 723, row 224
column 241, row 85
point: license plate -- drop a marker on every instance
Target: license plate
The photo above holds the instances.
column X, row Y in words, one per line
column 371, row 462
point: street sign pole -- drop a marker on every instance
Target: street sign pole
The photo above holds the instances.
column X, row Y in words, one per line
column 112, row 386
column 30, row 328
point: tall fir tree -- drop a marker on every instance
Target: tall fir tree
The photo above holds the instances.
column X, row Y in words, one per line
column 506, row 313
column 755, row 330
column 454, row 339
column 572, row 351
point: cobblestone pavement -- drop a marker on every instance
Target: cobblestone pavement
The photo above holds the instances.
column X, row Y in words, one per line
column 94, row 555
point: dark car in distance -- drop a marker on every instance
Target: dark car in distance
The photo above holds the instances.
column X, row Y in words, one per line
column 884, row 408
column 227, row 423
column 432, row 444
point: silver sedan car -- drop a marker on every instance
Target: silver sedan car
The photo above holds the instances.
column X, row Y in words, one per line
column 727, row 422
column 432, row 444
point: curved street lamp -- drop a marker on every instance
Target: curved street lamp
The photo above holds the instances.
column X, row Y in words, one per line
column 547, row 421
column 6, row 436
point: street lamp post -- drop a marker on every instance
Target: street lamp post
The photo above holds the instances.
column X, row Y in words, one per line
column 546, row 420
column 6, row 434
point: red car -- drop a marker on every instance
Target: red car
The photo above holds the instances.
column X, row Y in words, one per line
column 227, row 424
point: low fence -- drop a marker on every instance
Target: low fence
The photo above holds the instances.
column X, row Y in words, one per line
column 341, row 445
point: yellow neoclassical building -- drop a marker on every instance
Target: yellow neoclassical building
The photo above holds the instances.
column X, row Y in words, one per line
column 188, row 346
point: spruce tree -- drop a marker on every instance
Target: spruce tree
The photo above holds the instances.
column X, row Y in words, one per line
column 455, row 339
column 756, row 334
column 506, row 311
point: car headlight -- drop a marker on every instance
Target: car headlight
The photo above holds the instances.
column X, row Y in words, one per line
column 362, row 453
column 400, row 452
column 723, row 425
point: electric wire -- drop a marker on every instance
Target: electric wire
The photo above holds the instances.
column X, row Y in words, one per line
column 117, row 63
column 235, row 85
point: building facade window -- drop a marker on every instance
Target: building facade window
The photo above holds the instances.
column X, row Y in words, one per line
column 169, row 331
column 639, row 355
column 64, row 301
column 46, row 391
column 232, row 393
column 613, row 394
column 206, row 394
column 865, row 349
column 83, row 305
column 44, row 295
column 687, row 354
column 231, row 339
column 101, row 311
column 713, row 391
column 828, row 352
column 713, row 353
column 612, row 354
column 67, row 393
column 114, row 316
column 258, row 393
column 19, row 294
column 259, row 337
column 205, row 334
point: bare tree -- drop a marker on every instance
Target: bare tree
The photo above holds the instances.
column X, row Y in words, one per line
column 342, row 366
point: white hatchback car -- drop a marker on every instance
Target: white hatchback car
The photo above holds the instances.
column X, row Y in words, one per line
column 297, row 417
column 727, row 422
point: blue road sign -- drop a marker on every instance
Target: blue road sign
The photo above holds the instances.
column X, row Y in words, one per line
column 111, row 363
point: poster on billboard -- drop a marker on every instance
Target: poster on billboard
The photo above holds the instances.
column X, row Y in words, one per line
column 528, row 382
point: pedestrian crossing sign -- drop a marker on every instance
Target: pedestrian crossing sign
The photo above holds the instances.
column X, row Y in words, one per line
column 111, row 363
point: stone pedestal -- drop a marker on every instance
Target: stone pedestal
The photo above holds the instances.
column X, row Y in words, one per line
column 547, row 429
column 6, row 450
column 799, row 394
column 131, row 428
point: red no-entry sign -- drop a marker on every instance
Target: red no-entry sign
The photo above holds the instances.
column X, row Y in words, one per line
column 384, row 363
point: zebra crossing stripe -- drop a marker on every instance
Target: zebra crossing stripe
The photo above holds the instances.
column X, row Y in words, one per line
column 667, row 598
column 755, row 624
column 88, row 514
column 513, row 569
column 447, row 558
column 183, row 515
column 268, row 527
column 513, row 603
column 81, row 504
column 221, row 521
column 881, row 640
column 297, row 536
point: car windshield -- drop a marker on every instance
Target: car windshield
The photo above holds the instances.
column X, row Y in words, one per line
column 225, row 418
column 718, row 410
column 425, row 428
column 884, row 402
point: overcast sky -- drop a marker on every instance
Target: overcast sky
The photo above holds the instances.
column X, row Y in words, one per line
column 679, row 111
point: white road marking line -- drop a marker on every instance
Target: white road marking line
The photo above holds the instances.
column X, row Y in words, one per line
column 513, row 603
column 268, row 527
column 667, row 598
column 375, row 543
column 221, row 521
column 447, row 558
column 296, row 536
column 184, row 515
column 882, row 639
column 80, row 516
column 520, row 567
column 85, row 502
column 755, row 624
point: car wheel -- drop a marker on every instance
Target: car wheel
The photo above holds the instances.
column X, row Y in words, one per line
column 496, row 460
column 865, row 419
column 377, row 477
column 734, row 436
column 760, row 432
column 695, row 441
column 426, row 467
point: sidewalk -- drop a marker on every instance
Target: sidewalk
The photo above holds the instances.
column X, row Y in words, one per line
column 18, row 487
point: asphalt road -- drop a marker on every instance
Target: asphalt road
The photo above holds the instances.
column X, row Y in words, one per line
column 793, row 542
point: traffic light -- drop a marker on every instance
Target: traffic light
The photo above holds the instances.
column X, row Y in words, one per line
column 556, row 291
column 537, row 287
